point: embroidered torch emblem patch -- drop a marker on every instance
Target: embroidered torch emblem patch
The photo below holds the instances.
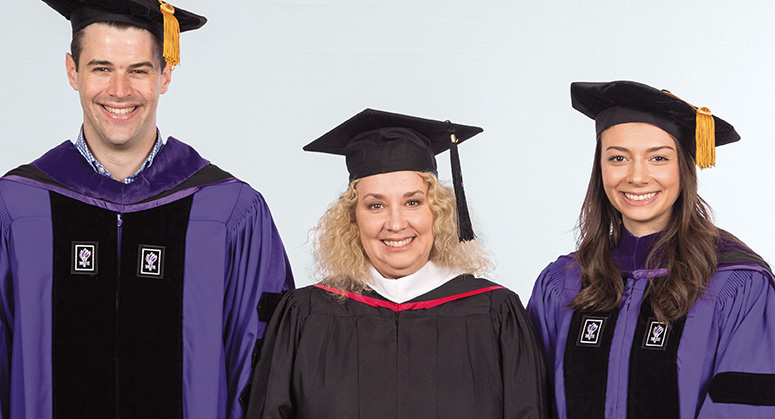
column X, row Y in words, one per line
column 591, row 329
column 656, row 335
column 83, row 259
column 150, row 263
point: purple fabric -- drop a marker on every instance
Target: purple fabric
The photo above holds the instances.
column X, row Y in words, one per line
column 122, row 208
column 731, row 328
column 233, row 254
column 175, row 163
column 25, row 271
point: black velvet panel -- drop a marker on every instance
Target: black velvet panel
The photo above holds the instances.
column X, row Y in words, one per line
column 653, row 378
column 83, row 312
column 150, row 347
column 743, row 388
column 267, row 304
column 117, row 337
column 586, row 366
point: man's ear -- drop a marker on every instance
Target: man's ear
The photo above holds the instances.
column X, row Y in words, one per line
column 72, row 71
column 166, row 78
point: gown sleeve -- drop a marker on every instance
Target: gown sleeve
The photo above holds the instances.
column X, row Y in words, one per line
column 743, row 382
column 256, row 264
column 6, row 313
column 526, row 391
column 271, row 394
column 547, row 303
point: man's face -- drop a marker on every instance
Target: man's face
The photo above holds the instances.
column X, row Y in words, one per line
column 119, row 81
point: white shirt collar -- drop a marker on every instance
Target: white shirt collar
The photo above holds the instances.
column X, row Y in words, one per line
column 427, row 278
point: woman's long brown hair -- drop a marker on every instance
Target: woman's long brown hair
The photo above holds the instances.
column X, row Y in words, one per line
column 687, row 247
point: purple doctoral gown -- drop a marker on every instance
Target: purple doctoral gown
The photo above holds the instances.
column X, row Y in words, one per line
column 717, row 362
column 141, row 300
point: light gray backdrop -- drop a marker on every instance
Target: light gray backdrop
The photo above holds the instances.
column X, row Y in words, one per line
column 263, row 78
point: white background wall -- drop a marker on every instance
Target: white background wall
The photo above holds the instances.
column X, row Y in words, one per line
column 263, row 78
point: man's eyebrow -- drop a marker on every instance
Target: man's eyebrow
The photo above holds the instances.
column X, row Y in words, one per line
column 142, row 64
column 99, row 63
column 106, row 63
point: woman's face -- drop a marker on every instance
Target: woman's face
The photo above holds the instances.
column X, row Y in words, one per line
column 395, row 222
column 640, row 172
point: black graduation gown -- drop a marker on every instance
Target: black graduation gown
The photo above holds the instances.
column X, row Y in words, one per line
column 463, row 350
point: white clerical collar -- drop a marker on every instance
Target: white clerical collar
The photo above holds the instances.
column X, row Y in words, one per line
column 406, row 288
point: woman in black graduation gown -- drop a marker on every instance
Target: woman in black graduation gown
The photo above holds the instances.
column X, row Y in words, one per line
column 400, row 327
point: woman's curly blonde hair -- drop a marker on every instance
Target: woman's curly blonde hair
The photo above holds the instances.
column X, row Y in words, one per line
column 342, row 262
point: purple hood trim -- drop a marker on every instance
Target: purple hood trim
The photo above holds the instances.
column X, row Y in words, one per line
column 750, row 266
column 633, row 251
column 122, row 208
column 175, row 163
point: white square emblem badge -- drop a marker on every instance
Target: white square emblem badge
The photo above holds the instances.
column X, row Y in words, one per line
column 150, row 263
column 656, row 335
column 591, row 329
column 83, row 258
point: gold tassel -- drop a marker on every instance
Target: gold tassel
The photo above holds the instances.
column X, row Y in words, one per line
column 706, row 139
column 704, row 135
column 171, row 35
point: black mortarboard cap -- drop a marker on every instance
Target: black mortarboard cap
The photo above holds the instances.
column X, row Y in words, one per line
column 375, row 142
column 618, row 102
column 161, row 19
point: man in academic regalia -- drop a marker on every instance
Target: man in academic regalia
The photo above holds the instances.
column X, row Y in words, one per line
column 135, row 277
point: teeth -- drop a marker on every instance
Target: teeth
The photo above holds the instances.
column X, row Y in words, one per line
column 119, row 111
column 393, row 243
column 636, row 197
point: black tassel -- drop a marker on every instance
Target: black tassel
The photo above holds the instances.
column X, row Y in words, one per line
column 465, row 230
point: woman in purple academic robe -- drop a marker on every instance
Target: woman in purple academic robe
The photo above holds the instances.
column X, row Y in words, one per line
column 659, row 313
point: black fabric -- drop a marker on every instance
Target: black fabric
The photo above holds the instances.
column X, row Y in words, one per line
column 31, row 172
column 117, row 338
column 387, row 150
column 256, row 351
column 621, row 115
column 145, row 14
column 738, row 256
column 150, row 313
column 329, row 357
column 244, row 397
column 462, row 284
column 205, row 176
column 586, row 367
column 376, row 141
column 83, row 313
column 653, row 373
column 664, row 110
column 267, row 304
column 743, row 388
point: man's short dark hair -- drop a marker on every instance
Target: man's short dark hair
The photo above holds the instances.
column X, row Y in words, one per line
column 76, row 44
